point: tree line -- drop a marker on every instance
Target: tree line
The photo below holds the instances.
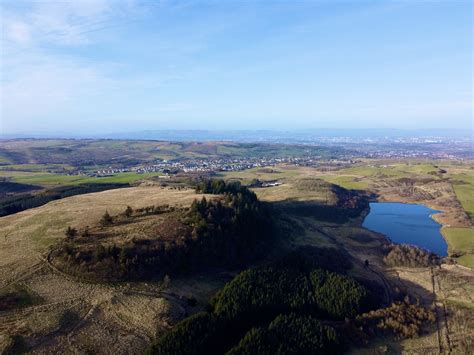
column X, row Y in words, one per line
column 272, row 309
column 228, row 231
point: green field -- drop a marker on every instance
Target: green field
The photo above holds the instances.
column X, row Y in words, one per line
column 363, row 176
column 347, row 182
column 49, row 179
column 393, row 170
column 465, row 195
column 272, row 173
column 461, row 240
column 463, row 185
column 35, row 167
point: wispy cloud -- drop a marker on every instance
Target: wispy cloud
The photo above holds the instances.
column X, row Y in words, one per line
column 56, row 22
column 39, row 76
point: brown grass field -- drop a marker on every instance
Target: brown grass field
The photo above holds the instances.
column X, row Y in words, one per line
column 84, row 317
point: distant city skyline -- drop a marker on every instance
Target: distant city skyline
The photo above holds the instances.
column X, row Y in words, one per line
column 102, row 67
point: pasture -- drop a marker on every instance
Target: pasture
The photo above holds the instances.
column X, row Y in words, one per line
column 461, row 241
column 52, row 179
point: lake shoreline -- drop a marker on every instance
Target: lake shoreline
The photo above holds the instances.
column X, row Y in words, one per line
column 407, row 223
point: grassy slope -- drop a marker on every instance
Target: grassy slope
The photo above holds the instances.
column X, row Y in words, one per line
column 461, row 240
column 348, row 182
column 363, row 176
column 47, row 179
column 26, row 235
column 464, row 188
column 298, row 184
column 273, row 173
column 465, row 195
column 37, row 228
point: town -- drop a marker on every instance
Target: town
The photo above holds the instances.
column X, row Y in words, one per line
column 214, row 165
column 348, row 155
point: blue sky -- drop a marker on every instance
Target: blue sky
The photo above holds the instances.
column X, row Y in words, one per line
column 114, row 66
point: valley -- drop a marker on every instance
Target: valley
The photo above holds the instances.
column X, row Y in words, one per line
column 236, row 177
column 53, row 298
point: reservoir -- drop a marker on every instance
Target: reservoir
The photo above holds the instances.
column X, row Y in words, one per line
column 407, row 224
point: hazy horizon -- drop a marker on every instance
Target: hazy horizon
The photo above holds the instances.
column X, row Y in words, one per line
column 103, row 67
column 289, row 135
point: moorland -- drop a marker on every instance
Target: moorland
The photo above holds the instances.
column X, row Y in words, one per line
column 183, row 261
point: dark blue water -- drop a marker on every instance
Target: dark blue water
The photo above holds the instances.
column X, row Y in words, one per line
column 408, row 224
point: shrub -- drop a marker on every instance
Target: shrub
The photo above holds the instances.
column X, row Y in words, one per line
column 85, row 233
column 16, row 345
column 68, row 320
column 403, row 319
column 128, row 211
column 70, row 232
column 106, row 219
column 17, row 298
column 409, row 255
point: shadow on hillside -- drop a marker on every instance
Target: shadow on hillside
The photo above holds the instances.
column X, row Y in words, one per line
column 320, row 212
column 360, row 244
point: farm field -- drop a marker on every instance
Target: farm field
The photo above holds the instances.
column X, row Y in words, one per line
column 51, row 179
column 464, row 187
column 461, row 241
column 270, row 173
column 347, row 182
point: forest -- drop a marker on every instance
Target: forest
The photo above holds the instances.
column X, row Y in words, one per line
column 296, row 304
column 228, row 231
column 278, row 308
